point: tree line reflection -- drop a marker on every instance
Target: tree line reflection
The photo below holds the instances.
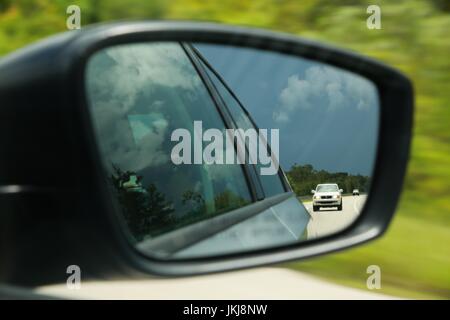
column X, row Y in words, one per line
column 149, row 212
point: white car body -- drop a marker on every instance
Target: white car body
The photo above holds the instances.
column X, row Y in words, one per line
column 327, row 195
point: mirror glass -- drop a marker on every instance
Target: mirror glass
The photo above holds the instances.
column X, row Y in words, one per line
column 214, row 149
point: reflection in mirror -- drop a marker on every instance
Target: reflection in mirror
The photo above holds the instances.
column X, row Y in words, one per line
column 215, row 149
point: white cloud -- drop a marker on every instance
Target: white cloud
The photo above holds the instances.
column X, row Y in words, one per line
column 324, row 88
column 141, row 67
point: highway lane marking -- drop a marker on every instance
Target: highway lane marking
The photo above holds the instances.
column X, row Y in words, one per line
column 309, row 210
column 357, row 210
column 354, row 207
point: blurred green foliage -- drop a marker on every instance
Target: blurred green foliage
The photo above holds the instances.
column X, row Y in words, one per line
column 414, row 256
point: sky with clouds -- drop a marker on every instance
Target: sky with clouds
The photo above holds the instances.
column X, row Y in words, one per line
column 326, row 116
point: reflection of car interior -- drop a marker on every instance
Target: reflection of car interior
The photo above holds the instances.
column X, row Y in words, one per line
column 132, row 184
column 178, row 199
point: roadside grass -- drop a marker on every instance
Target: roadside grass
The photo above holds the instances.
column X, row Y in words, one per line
column 413, row 257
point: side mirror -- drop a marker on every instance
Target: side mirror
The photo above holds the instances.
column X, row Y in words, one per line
column 183, row 108
column 341, row 190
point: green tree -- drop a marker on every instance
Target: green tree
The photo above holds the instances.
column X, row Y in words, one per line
column 146, row 212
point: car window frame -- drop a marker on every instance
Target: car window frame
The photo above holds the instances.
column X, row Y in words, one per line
column 255, row 187
column 281, row 174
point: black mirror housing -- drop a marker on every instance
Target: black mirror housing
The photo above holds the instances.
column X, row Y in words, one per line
column 52, row 191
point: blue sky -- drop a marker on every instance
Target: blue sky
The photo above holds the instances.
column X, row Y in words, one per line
column 326, row 117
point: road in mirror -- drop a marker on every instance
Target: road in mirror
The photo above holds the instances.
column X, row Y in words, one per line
column 214, row 149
